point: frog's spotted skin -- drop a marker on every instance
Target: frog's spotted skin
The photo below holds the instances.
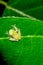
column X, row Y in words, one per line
column 14, row 34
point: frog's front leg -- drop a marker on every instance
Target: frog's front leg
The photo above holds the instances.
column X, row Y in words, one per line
column 15, row 28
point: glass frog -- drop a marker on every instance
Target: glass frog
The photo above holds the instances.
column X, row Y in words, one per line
column 14, row 34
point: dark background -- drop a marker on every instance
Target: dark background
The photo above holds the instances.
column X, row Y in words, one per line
column 2, row 7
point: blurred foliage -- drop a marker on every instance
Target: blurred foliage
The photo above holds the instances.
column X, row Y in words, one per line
column 31, row 7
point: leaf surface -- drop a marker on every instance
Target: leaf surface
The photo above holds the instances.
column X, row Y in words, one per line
column 27, row 51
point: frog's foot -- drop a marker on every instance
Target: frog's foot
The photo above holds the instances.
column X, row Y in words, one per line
column 12, row 39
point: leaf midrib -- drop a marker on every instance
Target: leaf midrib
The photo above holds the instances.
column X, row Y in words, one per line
column 28, row 36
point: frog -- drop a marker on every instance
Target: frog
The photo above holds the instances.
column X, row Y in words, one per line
column 14, row 34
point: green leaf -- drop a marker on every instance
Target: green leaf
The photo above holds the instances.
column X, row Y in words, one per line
column 27, row 51
column 30, row 7
column 36, row 12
